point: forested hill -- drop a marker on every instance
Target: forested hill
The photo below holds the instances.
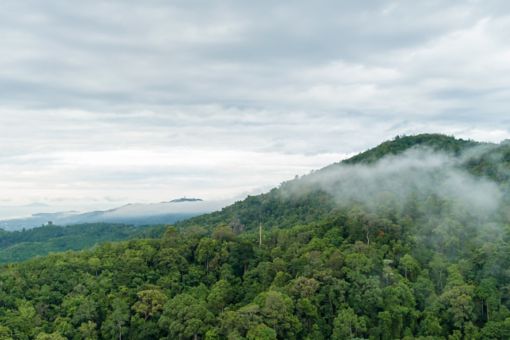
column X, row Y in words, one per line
column 413, row 245
column 435, row 142
column 24, row 244
column 312, row 197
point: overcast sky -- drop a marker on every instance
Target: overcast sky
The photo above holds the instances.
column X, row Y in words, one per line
column 108, row 102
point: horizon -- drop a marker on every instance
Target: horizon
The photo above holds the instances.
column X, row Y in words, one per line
column 221, row 100
column 14, row 212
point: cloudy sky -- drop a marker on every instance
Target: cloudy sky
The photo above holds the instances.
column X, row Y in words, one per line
column 108, row 102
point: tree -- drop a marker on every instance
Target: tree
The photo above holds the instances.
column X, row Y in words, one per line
column 399, row 309
column 5, row 333
column 261, row 332
column 206, row 250
column 87, row 331
column 277, row 310
column 186, row 316
column 46, row 336
column 219, row 296
column 458, row 299
column 430, row 325
column 240, row 321
column 223, row 233
column 409, row 266
column 113, row 327
column 348, row 325
column 489, row 293
column 150, row 303
column 95, row 264
column 496, row 330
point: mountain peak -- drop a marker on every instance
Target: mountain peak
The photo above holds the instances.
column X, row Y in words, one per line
column 185, row 199
column 400, row 144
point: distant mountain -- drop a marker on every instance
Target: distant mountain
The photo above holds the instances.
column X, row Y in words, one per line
column 184, row 199
column 135, row 214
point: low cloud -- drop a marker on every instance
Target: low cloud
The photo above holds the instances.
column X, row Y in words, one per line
column 395, row 181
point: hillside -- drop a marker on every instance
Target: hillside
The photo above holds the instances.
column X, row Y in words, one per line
column 21, row 245
column 287, row 206
column 409, row 240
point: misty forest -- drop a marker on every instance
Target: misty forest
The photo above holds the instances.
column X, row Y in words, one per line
column 408, row 240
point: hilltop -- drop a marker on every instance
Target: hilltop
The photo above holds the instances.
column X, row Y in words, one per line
column 286, row 206
column 400, row 144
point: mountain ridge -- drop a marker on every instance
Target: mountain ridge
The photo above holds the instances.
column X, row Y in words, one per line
column 133, row 213
column 482, row 162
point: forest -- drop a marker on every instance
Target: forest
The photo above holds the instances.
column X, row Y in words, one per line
column 409, row 240
column 24, row 244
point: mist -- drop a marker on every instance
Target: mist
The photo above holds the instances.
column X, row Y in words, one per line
column 419, row 173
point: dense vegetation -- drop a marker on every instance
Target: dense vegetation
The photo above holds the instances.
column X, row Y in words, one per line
column 436, row 142
column 427, row 268
column 22, row 245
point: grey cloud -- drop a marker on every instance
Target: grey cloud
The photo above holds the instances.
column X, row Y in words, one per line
column 106, row 53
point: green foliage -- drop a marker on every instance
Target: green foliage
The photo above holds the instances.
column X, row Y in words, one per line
column 348, row 325
column 261, row 332
column 300, row 284
column 400, row 144
column 18, row 246
column 185, row 317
